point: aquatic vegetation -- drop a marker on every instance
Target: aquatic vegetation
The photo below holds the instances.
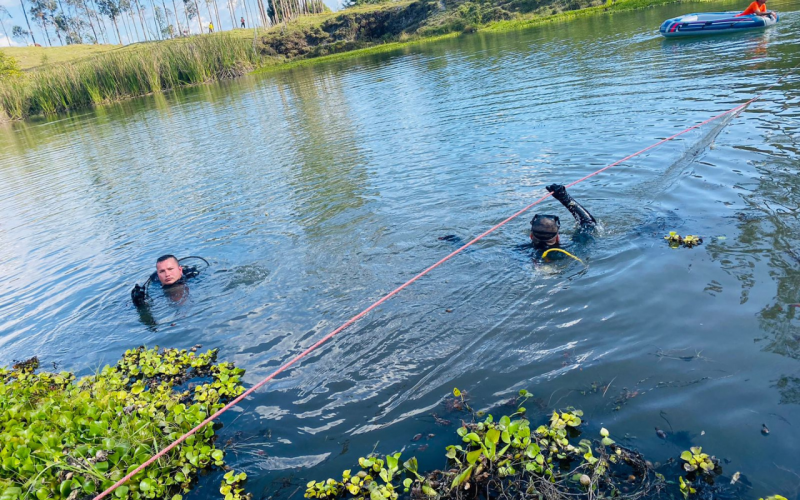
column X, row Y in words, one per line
column 231, row 486
column 675, row 240
column 695, row 459
column 505, row 456
column 509, row 458
column 122, row 74
column 61, row 437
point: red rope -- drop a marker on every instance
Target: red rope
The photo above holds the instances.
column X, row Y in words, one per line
column 392, row 294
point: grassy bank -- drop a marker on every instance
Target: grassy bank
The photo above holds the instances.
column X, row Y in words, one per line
column 121, row 73
column 32, row 57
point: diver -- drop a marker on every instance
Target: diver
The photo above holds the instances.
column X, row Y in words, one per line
column 171, row 275
column 544, row 228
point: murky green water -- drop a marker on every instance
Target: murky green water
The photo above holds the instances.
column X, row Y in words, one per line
column 316, row 191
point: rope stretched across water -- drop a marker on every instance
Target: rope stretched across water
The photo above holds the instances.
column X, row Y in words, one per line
column 407, row 284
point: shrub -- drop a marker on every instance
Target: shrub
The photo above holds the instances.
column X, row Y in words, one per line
column 9, row 67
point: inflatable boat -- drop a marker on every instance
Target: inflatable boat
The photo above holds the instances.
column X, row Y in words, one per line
column 713, row 23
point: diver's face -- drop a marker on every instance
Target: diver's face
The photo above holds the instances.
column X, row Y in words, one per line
column 169, row 271
column 544, row 243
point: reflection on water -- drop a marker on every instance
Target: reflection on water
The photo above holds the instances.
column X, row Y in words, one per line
column 314, row 192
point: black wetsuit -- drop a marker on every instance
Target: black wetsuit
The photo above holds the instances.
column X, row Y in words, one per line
column 586, row 221
column 189, row 272
column 139, row 293
column 583, row 235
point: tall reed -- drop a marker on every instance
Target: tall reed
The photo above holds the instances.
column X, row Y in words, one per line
column 127, row 73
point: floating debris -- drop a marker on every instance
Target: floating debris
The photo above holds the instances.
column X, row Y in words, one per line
column 675, row 240
column 28, row 365
column 735, row 477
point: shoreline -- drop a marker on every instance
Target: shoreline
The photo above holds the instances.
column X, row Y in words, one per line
column 492, row 27
column 106, row 78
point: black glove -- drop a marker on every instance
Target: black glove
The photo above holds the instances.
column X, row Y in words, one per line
column 138, row 295
column 559, row 192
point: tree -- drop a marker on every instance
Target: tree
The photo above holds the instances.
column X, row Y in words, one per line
column 22, row 2
column 4, row 14
column 162, row 20
column 80, row 4
column 127, row 6
column 166, row 16
column 192, row 11
column 42, row 12
column 110, row 9
column 141, row 19
column 20, row 34
column 177, row 19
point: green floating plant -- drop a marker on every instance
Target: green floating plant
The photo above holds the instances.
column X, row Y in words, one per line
column 494, row 455
column 231, row 486
column 67, row 438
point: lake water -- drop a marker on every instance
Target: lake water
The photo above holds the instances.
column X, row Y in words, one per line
column 313, row 192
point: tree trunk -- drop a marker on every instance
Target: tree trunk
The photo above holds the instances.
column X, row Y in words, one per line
column 89, row 18
column 185, row 13
column 5, row 32
column 177, row 19
column 166, row 16
column 22, row 3
column 119, row 38
column 133, row 22
column 101, row 23
column 125, row 27
column 141, row 20
column 199, row 22
column 216, row 11
column 155, row 20
column 43, row 25
column 248, row 16
column 64, row 15
column 264, row 12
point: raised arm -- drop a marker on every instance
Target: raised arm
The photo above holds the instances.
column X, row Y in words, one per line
column 584, row 218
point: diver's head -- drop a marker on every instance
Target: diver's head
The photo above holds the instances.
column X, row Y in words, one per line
column 544, row 230
column 168, row 269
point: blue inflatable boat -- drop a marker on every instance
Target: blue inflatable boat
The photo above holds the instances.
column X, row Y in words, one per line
column 713, row 23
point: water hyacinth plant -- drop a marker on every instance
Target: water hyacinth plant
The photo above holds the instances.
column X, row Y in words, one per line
column 64, row 438
column 508, row 458
column 504, row 457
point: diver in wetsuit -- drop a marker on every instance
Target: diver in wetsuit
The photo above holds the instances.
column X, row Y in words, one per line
column 544, row 228
column 169, row 273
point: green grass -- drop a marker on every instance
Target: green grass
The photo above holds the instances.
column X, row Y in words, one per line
column 32, row 57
